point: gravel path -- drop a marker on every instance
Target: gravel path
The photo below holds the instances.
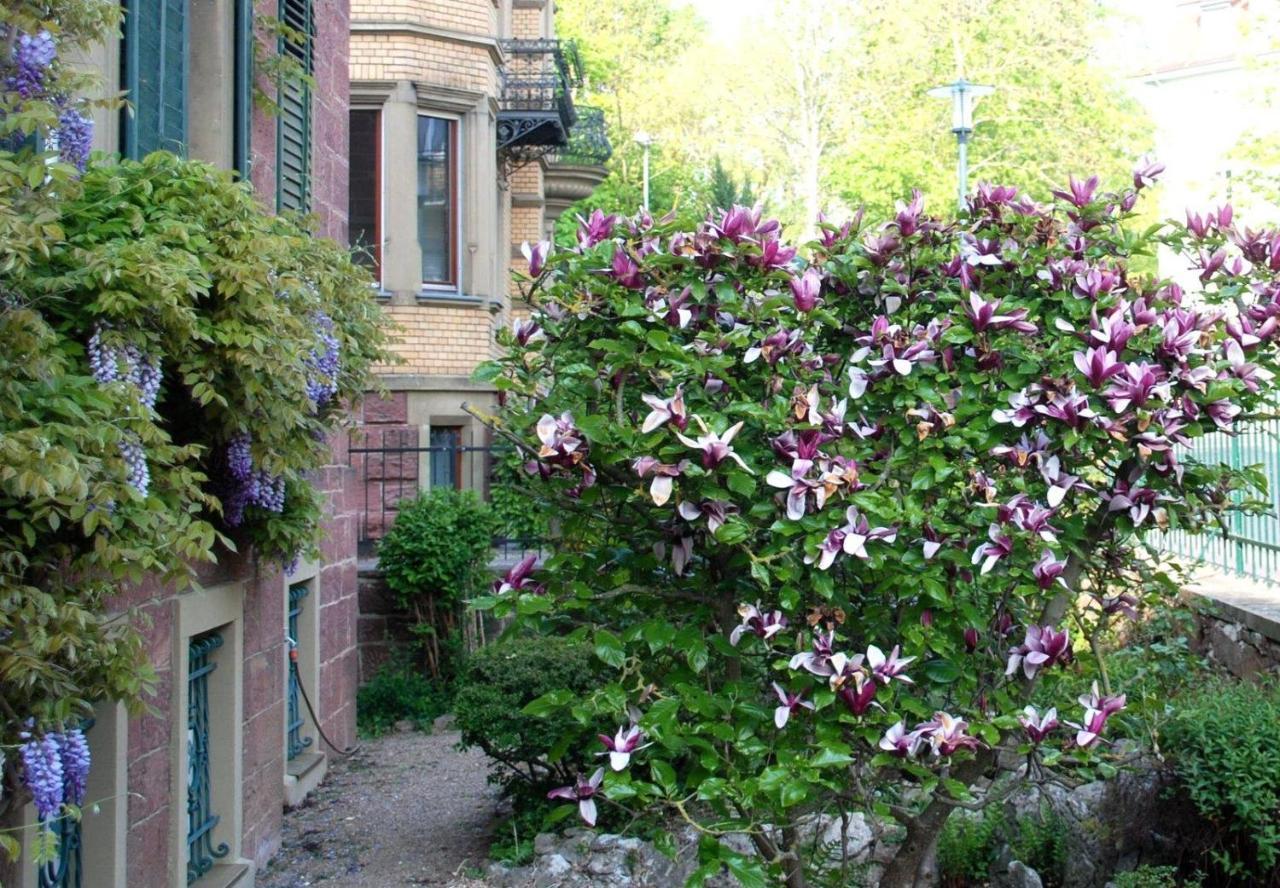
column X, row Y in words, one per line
column 407, row 809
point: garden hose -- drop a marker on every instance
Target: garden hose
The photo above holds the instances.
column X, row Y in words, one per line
column 315, row 720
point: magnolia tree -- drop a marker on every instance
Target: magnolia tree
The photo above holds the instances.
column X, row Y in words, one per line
column 852, row 521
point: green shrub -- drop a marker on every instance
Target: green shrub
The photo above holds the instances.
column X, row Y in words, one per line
column 397, row 692
column 1222, row 743
column 434, row 558
column 498, row 682
column 518, row 515
column 1153, row 877
column 970, row 845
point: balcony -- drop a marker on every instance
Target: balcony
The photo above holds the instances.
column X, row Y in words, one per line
column 575, row 170
column 535, row 112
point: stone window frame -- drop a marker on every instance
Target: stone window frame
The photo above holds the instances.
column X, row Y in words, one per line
column 458, row 143
column 219, row 607
column 305, row 771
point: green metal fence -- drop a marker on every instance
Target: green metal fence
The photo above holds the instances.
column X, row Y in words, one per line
column 201, row 820
column 297, row 743
column 1249, row 544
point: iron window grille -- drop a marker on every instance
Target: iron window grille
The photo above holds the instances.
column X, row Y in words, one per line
column 201, row 820
column 588, row 141
column 535, row 110
column 296, row 742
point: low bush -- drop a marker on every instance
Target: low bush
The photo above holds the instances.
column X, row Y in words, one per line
column 1222, row 743
column 399, row 691
column 532, row 754
column 434, row 558
column 1154, row 877
column 970, row 846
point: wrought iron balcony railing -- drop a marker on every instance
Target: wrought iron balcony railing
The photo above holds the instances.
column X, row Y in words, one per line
column 536, row 108
column 588, row 141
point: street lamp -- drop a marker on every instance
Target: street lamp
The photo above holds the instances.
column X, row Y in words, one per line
column 644, row 139
column 962, row 94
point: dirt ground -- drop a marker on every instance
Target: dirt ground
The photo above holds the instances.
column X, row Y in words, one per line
column 406, row 809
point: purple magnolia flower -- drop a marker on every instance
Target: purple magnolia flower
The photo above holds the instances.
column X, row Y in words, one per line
column 1048, row 570
column 1136, row 386
column 999, row 545
column 536, row 256
column 1060, row 483
column 931, row 542
column 561, row 439
column 854, row 687
column 776, row 346
column 1021, row 409
column 715, row 511
column 1036, row 725
column 1079, row 194
column 1098, row 365
column 620, row 747
column 583, row 792
column 663, row 475
column 881, row 248
column 1071, row 408
column 908, row 217
column 1093, row 283
column 1250, row 374
column 715, row 447
column 595, row 229
column 663, row 410
column 805, row 289
column 32, row 56
column 1097, row 709
column 1145, row 174
column 900, row 742
column 76, row 761
column 1021, row 453
column 517, row 578
column 1139, row 501
column 1041, row 648
column 625, row 271
column 798, row 487
column 851, row 539
column 790, row 704
column 818, row 660
column 773, row 254
column 984, row 315
column 971, row 639
column 43, row 775
column 754, row 620
column 829, row 235
column 526, row 332
column 1223, row 413
column 886, row 669
column 945, row 734
column 673, row 309
column 739, row 223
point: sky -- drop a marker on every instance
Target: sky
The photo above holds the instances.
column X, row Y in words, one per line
column 726, row 16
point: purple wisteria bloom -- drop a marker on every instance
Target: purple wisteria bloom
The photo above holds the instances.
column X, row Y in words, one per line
column 76, row 761
column 622, row 745
column 43, row 775
column 32, row 56
column 1042, row 647
column 760, row 623
column 790, row 703
column 74, row 137
column 583, row 792
column 1037, row 725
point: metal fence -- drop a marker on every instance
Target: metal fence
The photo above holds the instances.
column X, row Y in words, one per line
column 394, row 467
column 1249, row 543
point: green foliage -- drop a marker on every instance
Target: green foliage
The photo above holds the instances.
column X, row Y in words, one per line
column 499, row 682
column 1153, row 877
column 725, row 190
column 1221, row 741
column 176, row 263
column 513, row 835
column 970, row 846
column 400, row 691
column 438, row 546
column 517, row 513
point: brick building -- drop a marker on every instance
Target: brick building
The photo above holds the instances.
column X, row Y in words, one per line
column 193, row 791
column 465, row 143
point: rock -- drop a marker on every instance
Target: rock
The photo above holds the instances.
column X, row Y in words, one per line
column 404, row 726
column 545, row 843
column 443, row 723
column 556, row 865
column 1023, row 876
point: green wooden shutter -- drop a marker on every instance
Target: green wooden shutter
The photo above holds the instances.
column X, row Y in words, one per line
column 243, row 118
column 293, row 127
column 155, row 62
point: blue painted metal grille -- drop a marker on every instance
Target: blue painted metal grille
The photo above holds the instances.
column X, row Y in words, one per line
column 1248, row 542
column 297, row 743
column 201, row 852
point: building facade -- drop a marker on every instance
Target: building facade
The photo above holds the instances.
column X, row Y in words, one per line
column 192, row 791
column 465, row 143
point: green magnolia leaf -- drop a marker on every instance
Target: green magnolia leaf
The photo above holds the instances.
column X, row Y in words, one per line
column 609, row 648
column 942, row 671
column 664, row 775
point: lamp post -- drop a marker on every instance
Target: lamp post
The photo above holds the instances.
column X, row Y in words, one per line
column 645, row 140
column 962, row 94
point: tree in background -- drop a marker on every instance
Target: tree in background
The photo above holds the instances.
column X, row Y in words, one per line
column 725, row 191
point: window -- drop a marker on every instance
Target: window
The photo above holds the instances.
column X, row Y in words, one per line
column 155, row 75
column 201, row 819
column 437, row 199
column 364, row 206
column 297, row 722
column 446, row 456
column 293, row 125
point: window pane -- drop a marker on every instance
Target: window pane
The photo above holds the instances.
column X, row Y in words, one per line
column 446, row 463
column 435, row 198
column 362, row 207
